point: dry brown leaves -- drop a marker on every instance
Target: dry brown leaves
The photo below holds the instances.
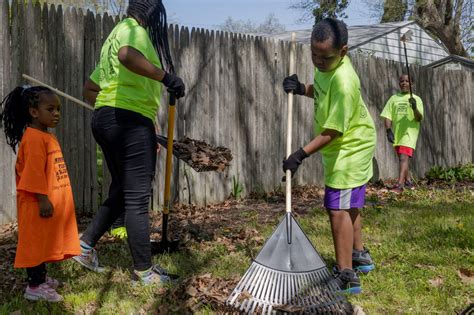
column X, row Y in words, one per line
column 436, row 282
column 202, row 156
column 202, row 290
column 466, row 275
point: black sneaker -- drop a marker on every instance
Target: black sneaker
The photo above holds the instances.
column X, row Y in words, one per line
column 409, row 185
column 347, row 280
column 362, row 261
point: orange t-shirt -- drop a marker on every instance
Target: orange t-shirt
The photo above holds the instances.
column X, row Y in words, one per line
column 40, row 169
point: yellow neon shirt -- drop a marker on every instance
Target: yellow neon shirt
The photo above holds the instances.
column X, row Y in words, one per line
column 347, row 160
column 120, row 87
column 404, row 126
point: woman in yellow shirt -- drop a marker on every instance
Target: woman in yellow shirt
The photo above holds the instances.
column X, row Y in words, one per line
column 126, row 90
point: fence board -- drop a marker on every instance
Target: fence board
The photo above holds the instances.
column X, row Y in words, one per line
column 234, row 99
column 7, row 158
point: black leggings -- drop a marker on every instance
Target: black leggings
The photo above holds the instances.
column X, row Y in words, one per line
column 36, row 275
column 127, row 140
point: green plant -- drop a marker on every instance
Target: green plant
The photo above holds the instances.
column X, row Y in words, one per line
column 452, row 174
column 237, row 187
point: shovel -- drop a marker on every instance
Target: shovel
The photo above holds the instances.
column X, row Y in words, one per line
column 167, row 246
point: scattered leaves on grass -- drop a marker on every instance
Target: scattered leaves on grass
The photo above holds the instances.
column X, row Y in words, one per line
column 436, row 282
column 466, row 275
column 244, row 295
column 425, row 267
column 202, row 290
column 358, row 310
column 289, row 308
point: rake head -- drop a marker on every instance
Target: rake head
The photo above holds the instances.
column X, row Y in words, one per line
column 263, row 290
column 289, row 277
column 407, row 36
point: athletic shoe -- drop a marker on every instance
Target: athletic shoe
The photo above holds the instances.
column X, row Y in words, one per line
column 153, row 276
column 52, row 283
column 89, row 259
column 42, row 292
column 362, row 261
column 409, row 185
column 347, row 280
column 397, row 189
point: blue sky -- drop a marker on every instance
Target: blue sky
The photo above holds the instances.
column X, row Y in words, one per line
column 210, row 13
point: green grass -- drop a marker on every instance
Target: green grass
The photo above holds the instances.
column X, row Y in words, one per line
column 414, row 238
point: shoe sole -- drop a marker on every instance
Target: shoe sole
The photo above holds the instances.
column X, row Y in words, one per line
column 365, row 269
column 39, row 298
column 355, row 290
column 95, row 269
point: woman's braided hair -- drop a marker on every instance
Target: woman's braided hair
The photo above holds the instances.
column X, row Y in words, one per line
column 153, row 14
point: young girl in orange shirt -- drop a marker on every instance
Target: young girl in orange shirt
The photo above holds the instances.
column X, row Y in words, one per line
column 47, row 229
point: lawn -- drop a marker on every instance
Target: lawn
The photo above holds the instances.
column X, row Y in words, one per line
column 422, row 242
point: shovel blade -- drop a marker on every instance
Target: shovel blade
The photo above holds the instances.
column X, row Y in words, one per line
column 165, row 246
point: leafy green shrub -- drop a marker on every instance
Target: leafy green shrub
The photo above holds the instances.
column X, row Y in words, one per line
column 461, row 173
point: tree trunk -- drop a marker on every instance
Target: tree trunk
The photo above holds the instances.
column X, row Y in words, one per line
column 438, row 19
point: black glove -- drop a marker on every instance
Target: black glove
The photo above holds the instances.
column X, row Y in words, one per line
column 412, row 102
column 390, row 136
column 174, row 84
column 294, row 161
column 291, row 83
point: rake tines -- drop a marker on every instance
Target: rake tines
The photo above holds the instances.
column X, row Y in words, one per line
column 263, row 290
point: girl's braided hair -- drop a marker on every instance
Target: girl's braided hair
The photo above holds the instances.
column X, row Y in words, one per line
column 15, row 116
column 153, row 14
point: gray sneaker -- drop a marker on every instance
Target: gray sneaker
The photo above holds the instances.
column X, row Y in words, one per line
column 89, row 259
column 362, row 261
column 153, row 276
column 346, row 280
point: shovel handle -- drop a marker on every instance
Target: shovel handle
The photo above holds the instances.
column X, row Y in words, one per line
column 169, row 153
column 172, row 98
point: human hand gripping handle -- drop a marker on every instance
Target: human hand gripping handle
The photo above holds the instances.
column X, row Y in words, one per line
column 412, row 102
column 174, row 84
column 390, row 136
column 294, row 161
column 292, row 84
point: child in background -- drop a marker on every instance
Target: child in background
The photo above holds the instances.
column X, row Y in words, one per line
column 403, row 113
column 47, row 229
column 345, row 136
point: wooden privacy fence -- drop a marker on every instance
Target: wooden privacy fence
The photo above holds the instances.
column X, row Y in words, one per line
column 234, row 99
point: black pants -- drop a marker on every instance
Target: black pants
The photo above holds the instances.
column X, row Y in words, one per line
column 36, row 275
column 127, row 140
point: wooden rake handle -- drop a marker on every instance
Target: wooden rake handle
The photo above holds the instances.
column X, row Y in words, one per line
column 289, row 133
column 55, row 90
column 289, row 128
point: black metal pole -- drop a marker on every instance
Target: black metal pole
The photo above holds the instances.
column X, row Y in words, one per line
column 408, row 68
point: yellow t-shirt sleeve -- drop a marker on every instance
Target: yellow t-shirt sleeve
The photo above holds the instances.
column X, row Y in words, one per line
column 136, row 37
column 419, row 106
column 341, row 107
column 95, row 76
column 387, row 110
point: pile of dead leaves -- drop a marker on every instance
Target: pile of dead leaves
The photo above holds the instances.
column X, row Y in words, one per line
column 198, row 291
column 202, row 156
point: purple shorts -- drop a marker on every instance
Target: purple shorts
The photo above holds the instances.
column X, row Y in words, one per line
column 343, row 199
